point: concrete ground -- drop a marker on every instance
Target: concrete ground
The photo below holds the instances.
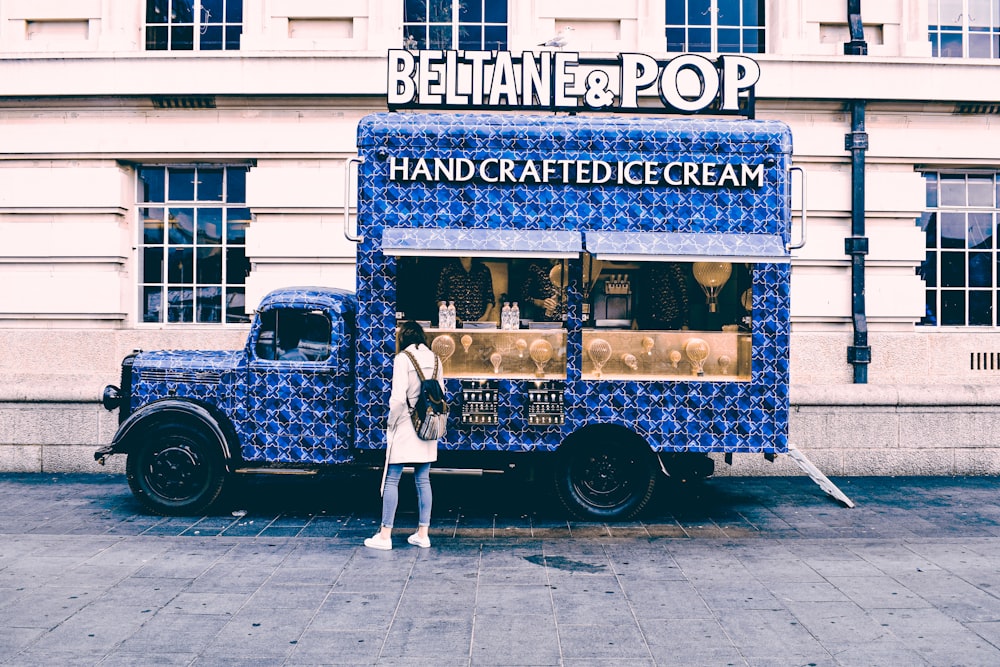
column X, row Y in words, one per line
column 740, row 571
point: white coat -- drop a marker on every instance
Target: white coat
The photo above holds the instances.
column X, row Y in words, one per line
column 404, row 446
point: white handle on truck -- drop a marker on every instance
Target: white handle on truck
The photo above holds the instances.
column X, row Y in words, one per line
column 347, row 199
column 802, row 238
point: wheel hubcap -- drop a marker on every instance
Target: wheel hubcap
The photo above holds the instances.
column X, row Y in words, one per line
column 601, row 482
column 176, row 472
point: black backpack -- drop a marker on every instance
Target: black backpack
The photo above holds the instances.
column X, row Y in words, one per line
column 430, row 414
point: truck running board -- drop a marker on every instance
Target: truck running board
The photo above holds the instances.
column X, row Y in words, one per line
column 817, row 476
column 275, row 471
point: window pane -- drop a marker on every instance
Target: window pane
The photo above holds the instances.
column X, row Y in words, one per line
column 209, row 226
column 415, row 11
column 699, row 12
column 931, row 180
column 182, row 38
column 953, row 191
column 980, row 269
column 152, row 304
column 495, row 37
column 753, row 41
column 951, row 12
column 151, row 184
column 180, row 225
column 209, row 184
column 952, row 230
column 439, row 37
column 729, row 40
column 675, row 39
column 237, row 220
column 470, row 37
column 981, row 191
column 980, row 45
column 928, row 269
column 181, row 185
column 233, row 36
column 152, row 264
column 212, row 11
column 180, row 304
column 472, row 10
column 236, row 308
column 236, row 185
column 930, row 309
column 979, row 13
column 952, row 308
column 928, row 222
column 234, row 11
column 440, row 11
column 981, row 308
column 182, row 11
column 699, row 40
column 753, row 12
column 157, row 11
column 981, row 231
column 237, row 266
column 951, row 45
column 415, row 37
column 953, row 269
column 180, row 267
column 209, row 266
column 152, row 225
column 211, row 38
column 495, row 11
column 209, row 304
column 675, row 12
column 729, row 12
column 156, row 39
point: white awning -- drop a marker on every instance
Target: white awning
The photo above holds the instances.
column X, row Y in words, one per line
column 450, row 242
column 686, row 247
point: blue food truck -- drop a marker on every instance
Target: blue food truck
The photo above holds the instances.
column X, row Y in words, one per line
column 609, row 296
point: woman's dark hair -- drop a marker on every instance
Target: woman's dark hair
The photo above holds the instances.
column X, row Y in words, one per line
column 411, row 333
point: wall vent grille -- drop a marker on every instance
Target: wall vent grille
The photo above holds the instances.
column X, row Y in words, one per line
column 184, row 102
column 977, row 108
column 984, row 361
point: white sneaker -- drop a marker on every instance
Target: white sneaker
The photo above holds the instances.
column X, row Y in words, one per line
column 378, row 542
column 417, row 541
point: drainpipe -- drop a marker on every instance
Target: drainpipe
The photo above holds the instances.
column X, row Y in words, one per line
column 860, row 353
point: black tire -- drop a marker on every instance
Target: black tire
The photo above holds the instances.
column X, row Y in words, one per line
column 606, row 479
column 176, row 469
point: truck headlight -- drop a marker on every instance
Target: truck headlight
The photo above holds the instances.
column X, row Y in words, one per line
column 111, row 398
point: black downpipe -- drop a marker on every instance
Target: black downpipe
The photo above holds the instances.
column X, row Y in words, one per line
column 860, row 353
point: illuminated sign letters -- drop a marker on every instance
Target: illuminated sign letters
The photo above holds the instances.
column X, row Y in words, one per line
column 562, row 81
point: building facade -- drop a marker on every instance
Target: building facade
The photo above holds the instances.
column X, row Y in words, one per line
column 166, row 163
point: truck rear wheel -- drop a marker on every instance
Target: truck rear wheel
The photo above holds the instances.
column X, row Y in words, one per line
column 175, row 469
column 606, row 478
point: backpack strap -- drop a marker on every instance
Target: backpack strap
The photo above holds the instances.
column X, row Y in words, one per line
column 420, row 375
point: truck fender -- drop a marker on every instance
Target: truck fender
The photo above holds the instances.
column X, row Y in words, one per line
column 167, row 410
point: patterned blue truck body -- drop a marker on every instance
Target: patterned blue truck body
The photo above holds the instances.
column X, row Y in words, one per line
column 329, row 412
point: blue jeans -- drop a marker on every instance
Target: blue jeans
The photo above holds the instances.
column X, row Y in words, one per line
column 390, row 494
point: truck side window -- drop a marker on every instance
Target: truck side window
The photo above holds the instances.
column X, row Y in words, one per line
column 290, row 334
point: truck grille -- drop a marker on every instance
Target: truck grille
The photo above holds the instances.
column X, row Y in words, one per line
column 164, row 375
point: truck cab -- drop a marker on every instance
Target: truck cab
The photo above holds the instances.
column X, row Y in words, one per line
column 188, row 420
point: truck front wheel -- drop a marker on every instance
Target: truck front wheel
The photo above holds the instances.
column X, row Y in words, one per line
column 175, row 469
column 605, row 480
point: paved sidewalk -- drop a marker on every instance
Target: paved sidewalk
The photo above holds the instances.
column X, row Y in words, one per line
column 743, row 571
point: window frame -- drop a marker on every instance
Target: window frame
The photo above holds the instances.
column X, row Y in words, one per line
column 146, row 211
column 713, row 26
column 199, row 24
column 454, row 25
column 933, row 269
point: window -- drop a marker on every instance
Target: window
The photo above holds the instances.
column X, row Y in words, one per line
column 289, row 334
column 192, row 254
column 960, row 269
column 193, row 25
column 455, row 24
column 717, row 26
column 964, row 28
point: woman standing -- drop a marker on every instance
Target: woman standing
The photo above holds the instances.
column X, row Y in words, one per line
column 403, row 446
